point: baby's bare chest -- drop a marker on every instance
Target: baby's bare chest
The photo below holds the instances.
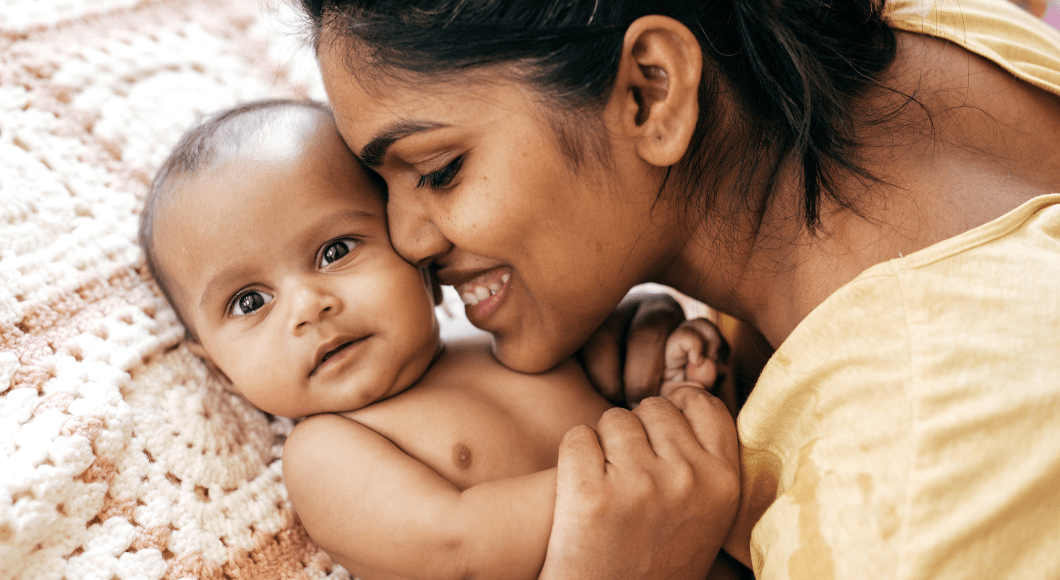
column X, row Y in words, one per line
column 470, row 430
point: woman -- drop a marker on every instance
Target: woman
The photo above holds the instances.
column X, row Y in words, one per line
column 871, row 187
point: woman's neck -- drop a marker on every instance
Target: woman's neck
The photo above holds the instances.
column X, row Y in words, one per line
column 974, row 146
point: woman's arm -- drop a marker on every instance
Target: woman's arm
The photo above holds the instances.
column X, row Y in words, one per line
column 382, row 514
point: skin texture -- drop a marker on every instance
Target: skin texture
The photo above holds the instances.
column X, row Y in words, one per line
column 604, row 228
column 415, row 461
column 511, row 175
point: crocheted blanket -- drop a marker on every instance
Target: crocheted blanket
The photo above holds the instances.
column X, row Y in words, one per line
column 120, row 457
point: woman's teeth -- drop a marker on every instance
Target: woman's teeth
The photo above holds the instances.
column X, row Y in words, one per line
column 472, row 295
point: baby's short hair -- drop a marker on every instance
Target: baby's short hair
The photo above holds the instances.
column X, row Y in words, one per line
column 215, row 139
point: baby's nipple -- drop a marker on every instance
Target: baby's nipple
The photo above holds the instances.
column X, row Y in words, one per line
column 462, row 456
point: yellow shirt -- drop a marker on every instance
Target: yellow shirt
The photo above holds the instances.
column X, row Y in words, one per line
column 909, row 427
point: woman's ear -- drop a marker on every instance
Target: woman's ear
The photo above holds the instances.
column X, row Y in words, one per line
column 656, row 96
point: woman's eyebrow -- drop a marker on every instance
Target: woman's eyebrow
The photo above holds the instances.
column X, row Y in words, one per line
column 373, row 153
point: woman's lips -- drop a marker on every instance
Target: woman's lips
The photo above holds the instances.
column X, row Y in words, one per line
column 483, row 294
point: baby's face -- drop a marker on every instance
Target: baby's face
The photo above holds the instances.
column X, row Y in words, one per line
column 282, row 266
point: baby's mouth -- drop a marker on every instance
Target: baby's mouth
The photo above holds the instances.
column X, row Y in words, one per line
column 330, row 352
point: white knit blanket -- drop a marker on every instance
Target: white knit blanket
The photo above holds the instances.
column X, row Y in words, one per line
column 119, row 456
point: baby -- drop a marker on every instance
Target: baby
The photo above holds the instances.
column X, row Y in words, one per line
column 417, row 460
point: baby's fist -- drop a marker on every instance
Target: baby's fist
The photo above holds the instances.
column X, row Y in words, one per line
column 695, row 353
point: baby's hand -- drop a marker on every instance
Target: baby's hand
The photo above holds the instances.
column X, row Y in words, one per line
column 695, row 356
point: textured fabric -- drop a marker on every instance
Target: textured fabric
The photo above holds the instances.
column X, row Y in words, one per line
column 908, row 426
column 119, row 456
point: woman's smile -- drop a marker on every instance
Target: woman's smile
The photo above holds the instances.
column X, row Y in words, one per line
column 483, row 294
column 537, row 246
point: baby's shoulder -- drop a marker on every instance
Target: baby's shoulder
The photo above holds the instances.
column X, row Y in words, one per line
column 324, row 431
column 319, row 443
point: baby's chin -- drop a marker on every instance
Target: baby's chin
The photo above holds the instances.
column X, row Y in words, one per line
column 371, row 388
column 410, row 375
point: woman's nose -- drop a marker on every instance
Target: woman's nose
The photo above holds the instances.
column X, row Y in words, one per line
column 310, row 305
column 413, row 233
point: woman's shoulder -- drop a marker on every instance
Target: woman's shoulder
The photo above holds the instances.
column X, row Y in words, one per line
column 994, row 29
column 908, row 390
column 956, row 303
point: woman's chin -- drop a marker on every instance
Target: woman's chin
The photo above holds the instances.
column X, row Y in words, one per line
column 525, row 355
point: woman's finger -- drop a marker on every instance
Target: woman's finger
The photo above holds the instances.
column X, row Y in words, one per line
column 710, row 421
column 668, row 433
column 655, row 318
column 603, row 355
column 581, row 460
column 623, row 440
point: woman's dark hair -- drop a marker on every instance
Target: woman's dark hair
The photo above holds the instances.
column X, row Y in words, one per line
column 793, row 67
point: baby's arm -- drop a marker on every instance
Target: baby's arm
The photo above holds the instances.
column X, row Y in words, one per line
column 382, row 514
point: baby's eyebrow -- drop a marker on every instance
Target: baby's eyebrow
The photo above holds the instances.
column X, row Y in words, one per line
column 346, row 217
column 373, row 153
column 220, row 282
column 230, row 276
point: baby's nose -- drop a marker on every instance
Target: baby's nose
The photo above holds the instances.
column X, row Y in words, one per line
column 312, row 305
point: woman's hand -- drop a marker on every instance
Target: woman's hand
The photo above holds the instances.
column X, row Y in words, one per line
column 650, row 494
column 624, row 359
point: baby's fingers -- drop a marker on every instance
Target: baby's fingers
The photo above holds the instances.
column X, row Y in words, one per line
column 693, row 352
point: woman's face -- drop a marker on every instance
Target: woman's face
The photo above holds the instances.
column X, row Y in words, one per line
column 479, row 187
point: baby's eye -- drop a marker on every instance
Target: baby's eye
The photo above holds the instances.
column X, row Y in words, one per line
column 248, row 302
column 335, row 250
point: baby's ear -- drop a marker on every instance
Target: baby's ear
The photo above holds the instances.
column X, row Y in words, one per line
column 197, row 349
column 432, row 283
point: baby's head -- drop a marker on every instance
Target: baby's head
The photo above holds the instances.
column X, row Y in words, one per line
column 270, row 241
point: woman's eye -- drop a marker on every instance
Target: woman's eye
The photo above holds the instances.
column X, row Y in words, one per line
column 335, row 250
column 248, row 302
column 443, row 177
